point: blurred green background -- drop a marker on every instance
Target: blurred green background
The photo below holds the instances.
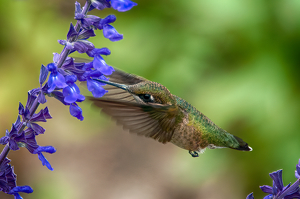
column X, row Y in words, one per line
column 235, row 61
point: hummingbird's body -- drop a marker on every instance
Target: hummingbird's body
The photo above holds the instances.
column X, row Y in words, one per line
column 148, row 108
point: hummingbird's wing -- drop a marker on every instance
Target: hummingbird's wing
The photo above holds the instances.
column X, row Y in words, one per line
column 120, row 77
column 155, row 121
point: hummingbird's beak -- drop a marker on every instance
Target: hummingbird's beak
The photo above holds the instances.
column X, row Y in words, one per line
column 121, row 86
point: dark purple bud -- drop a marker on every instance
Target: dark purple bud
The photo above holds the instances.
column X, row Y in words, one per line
column 42, row 98
column 111, row 33
column 21, row 109
column 13, row 145
column 77, row 7
column 4, row 140
column 72, row 33
column 250, row 196
column 82, row 46
column 78, row 11
column 277, row 178
column 37, row 129
column 266, row 189
column 30, row 100
column 38, row 117
column 76, row 111
column 43, row 74
column 46, row 113
column 85, row 34
column 122, row 5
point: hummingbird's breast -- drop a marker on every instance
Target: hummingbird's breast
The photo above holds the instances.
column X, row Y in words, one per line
column 188, row 134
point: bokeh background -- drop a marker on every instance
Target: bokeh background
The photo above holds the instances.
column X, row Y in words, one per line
column 235, row 61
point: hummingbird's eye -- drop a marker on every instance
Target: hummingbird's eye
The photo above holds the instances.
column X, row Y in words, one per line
column 146, row 98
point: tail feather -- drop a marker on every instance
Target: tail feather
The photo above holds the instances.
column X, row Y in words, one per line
column 243, row 146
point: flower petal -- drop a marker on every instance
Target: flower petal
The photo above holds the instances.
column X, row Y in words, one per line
column 122, row 5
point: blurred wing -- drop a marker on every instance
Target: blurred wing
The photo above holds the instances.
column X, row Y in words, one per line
column 155, row 121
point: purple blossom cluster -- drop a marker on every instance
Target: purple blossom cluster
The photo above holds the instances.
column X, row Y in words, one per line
column 58, row 80
column 278, row 191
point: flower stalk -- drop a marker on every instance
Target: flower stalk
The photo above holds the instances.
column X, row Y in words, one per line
column 58, row 79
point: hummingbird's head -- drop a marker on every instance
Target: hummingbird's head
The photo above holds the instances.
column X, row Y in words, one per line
column 151, row 92
column 143, row 91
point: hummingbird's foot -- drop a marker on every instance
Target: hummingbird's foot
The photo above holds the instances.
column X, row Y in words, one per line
column 194, row 154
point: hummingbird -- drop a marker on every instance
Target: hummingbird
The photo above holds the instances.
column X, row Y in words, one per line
column 148, row 108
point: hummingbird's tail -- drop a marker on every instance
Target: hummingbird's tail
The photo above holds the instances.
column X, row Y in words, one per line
column 243, row 146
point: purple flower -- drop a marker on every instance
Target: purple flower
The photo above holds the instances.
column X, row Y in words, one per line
column 13, row 137
column 47, row 149
column 56, row 80
column 15, row 191
column 72, row 92
column 111, row 33
column 99, row 63
column 42, row 116
column 76, row 111
column 96, row 88
column 122, row 5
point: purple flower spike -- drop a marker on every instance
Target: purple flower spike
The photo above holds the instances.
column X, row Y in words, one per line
column 76, row 111
column 72, row 92
column 250, row 196
column 122, row 5
column 111, row 33
column 55, row 79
